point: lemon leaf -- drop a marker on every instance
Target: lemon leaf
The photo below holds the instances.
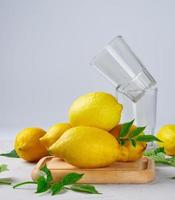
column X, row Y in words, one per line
column 84, row 188
column 11, row 154
column 71, row 178
column 3, row 168
column 160, row 149
column 57, row 188
column 147, row 138
column 137, row 131
column 125, row 128
column 160, row 157
column 42, row 184
column 5, row 183
column 122, row 142
column 68, row 179
column 133, row 142
column 48, row 173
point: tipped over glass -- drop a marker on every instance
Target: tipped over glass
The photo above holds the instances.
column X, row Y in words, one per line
column 119, row 64
column 135, row 86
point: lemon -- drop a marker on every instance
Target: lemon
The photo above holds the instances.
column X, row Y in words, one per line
column 86, row 147
column 28, row 146
column 167, row 135
column 128, row 152
column 97, row 109
column 54, row 133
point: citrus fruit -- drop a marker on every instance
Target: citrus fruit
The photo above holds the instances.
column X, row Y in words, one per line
column 167, row 135
column 28, row 146
column 128, row 152
column 54, row 133
column 86, row 147
column 97, row 109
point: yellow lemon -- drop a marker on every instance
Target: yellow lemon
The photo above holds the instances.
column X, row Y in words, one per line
column 167, row 135
column 54, row 133
column 86, row 147
column 130, row 153
column 28, row 146
column 97, row 109
column 127, row 151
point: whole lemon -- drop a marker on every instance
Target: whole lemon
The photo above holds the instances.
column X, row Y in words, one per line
column 86, row 147
column 97, row 109
column 167, row 135
column 128, row 152
column 54, row 133
column 28, row 146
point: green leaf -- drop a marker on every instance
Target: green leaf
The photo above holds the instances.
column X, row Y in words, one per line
column 122, row 142
column 68, row 179
column 11, row 154
column 71, row 178
column 133, row 142
column 160, row 157
column 4, row 183
column 159, row 150
column 84, row 188
column 147, row 138
column 137, row 131
column 125, row 128
column 48, row 173
column 57, row 188
column 3, row 168
column 42, row 184
column 171, row 161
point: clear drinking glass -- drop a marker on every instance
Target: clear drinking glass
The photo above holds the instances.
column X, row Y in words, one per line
column 128, row 109
column 143, row 111
column 120, row 65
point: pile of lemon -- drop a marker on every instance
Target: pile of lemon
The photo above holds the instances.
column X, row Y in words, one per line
column 88, row 140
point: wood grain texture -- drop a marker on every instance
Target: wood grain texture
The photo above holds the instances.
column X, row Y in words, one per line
column 141, row 171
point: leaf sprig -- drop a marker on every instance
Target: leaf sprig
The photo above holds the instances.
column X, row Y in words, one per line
column 159, row 156
column 68, row 182
column 11, row 154
column 135, row 135
column 3, row 167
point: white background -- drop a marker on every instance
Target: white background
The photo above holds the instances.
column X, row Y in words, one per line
column 46, row 47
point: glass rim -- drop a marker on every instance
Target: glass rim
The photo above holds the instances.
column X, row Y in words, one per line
column 104, row 47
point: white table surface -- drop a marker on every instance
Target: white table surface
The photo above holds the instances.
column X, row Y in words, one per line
column 162, row 188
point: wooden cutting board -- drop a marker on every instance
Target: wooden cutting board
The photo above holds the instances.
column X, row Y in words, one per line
column 141, row 171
